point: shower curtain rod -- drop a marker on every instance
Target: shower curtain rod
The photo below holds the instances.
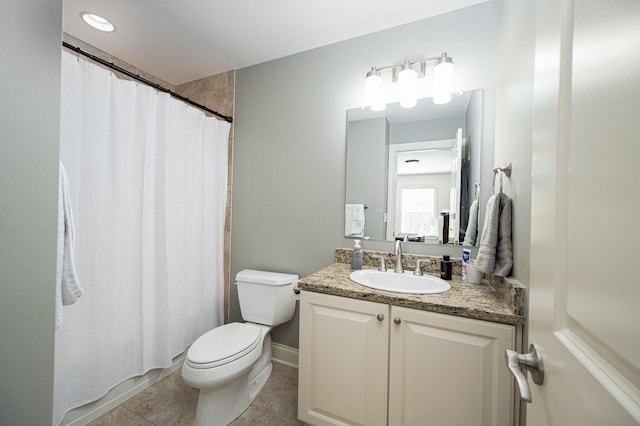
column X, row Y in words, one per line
column 145, row 81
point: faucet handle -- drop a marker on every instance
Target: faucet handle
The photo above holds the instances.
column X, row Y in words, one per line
column 418, row 271
column 382, row 266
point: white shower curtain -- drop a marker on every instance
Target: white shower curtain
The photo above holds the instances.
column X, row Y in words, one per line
column 148, row 184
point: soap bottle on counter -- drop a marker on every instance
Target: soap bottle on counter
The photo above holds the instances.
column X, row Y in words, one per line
column 446, row 267
column 356, row 255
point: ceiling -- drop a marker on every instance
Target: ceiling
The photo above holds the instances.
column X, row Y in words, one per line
column 182, row 41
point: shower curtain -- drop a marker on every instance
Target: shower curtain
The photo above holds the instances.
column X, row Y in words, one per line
column 148, row 184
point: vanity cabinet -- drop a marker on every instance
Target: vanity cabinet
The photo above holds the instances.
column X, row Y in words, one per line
column 369, row 363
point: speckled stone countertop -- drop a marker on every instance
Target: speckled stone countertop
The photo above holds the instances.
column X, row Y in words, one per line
column 497, row 299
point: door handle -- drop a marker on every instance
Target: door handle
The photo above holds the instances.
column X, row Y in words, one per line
column 532, row 362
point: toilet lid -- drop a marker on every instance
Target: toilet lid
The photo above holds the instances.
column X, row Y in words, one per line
column 223, row 345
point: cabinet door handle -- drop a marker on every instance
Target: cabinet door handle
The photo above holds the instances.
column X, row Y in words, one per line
column 397, row 320
column 531, row 362
column 380, row 317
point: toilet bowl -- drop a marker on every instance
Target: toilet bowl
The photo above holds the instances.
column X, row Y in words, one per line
column 231, row 363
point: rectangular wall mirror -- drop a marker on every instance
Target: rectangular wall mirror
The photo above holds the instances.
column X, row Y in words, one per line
column 412, row 174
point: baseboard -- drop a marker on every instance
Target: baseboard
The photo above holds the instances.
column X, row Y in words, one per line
column 89, row 412
column 284, row 354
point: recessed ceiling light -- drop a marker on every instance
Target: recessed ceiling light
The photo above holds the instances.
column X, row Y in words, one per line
column 97, row 22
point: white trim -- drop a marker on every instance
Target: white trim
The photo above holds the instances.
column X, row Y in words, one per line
column 122, row 392
column 284, row 355
column 611, row 379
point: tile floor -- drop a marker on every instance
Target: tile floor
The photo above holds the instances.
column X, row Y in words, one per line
column 171, row 402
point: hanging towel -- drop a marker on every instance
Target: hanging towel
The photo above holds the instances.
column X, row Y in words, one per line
column 354, row 220
column 504, row 253
column 486, row 259
column 471, row 233
column 67, row 286
column 495, row 255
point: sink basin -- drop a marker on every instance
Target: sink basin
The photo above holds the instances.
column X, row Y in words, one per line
column 400, row 283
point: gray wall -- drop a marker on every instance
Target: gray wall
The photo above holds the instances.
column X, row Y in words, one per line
column 29, row 120
column 514, row 120
column 367, row 171
column 514, row 128
column 473, row 134
column 289, row 153
column 426, row 130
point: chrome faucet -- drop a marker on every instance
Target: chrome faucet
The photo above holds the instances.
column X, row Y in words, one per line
column 398, row 253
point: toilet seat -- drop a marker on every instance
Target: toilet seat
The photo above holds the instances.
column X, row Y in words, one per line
column 223, row 345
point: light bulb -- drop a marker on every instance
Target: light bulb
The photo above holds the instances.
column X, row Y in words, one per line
column 407, row 86
column 373, row 90
column 443, row 80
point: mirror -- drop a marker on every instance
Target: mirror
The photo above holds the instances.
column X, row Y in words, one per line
column 413, row 174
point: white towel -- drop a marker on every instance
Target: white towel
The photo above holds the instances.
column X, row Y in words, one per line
column 495, row 255
column 67, row 286
column 354, row 220
column 471, row 232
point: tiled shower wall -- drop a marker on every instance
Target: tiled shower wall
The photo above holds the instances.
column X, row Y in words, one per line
column 216, row 92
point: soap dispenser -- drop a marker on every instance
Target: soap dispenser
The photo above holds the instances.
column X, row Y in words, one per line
column 356, row 255
column 446, row 267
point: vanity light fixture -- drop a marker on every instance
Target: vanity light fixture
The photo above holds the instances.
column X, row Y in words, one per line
column 97, row 22
column 406, row 76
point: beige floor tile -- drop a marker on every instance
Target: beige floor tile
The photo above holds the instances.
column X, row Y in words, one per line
column 172, row 403
column 168, row 402
column 254, row 416
column 288, row 414
column 120, row 416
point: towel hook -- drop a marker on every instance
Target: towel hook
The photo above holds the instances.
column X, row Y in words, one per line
column 506, row 169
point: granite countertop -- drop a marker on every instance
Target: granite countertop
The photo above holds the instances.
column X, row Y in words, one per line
column 497, row 299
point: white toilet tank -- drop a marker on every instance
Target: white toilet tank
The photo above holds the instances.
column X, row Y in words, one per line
column 266, row 297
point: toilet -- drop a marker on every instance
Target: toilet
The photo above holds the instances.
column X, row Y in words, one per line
column 231, row 363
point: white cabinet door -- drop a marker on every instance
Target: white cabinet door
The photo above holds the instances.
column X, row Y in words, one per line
column 447, row 370
column 343, row 361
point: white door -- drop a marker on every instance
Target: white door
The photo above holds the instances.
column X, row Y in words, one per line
column 584, row 283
